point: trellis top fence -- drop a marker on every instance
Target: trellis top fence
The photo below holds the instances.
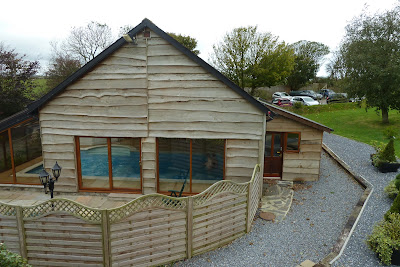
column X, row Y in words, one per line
column 150, row 230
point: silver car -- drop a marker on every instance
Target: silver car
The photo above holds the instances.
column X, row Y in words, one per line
column 305, row 100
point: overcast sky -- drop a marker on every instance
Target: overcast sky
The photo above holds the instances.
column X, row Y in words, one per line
column 30, row 25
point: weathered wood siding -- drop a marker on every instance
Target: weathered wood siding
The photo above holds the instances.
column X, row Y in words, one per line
column 240, row 155
column 302, row 166
column 150, row 90
column 149, row 165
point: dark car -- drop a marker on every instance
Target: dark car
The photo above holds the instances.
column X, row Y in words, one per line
column 336, row 98
column 326, row 92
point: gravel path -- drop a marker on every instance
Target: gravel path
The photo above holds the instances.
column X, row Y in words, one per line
column 357, row 156
column 312, row 226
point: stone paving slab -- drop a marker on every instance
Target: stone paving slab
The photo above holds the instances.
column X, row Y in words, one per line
column 277, row 199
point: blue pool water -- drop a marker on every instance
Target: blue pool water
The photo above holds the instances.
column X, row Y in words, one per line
column 125, row 163
column 36, row 170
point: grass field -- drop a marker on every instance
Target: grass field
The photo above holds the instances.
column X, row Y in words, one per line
column 352, row 121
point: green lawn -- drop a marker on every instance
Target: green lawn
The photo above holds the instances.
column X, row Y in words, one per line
column 39, row 90
column 354, row 122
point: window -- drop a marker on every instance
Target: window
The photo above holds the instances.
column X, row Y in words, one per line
column 199, row 161
column 292, row 141
column 106, row 164
column 21, row 153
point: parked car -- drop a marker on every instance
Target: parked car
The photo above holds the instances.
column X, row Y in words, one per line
column 313, row 94
column 281, row 95
column 305, row 100
column 282, row 102
column 326, row 92
column 308, row 93
column 336, row 98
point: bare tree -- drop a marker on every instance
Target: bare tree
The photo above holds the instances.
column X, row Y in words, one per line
column 85, row 43
column 61, row 65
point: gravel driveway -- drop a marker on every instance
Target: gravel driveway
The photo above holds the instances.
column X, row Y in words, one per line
column 318, row 215
column 357, row 156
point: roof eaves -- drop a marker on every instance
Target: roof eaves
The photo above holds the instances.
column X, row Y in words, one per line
column 15, row 119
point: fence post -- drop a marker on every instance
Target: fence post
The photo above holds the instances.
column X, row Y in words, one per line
column 105, row 229
column 189, row 225
column 260, row 176
column 249, row 191
column 21, row 232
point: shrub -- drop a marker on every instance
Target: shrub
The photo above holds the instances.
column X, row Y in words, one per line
column 391, row 189
column 10, row 259
column 397, row 182
column 385, row 238
column 395, row 208
column 388, row 154
column 298, row 105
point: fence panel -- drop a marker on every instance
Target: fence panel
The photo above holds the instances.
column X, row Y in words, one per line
column 9, row 228
column 63, row 233
column 255, row 195
column 149, row 231
column 218, row 221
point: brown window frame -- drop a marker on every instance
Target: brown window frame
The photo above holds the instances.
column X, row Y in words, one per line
column 110, row 177
column 285, row 142
column 190, row 193
column 10, row 145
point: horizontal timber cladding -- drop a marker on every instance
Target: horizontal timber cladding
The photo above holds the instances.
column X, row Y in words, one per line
column 304, row 165
column 60, row 148
column 149, row 238
column 241, row 155
column 149, row 165
column 63, row 240
column 187, row 101
column 109, row 101
column 150, row 90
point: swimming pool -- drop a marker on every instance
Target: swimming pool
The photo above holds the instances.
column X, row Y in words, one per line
column 125, row 163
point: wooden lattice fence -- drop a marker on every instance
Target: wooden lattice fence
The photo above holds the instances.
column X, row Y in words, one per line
column 151, row 230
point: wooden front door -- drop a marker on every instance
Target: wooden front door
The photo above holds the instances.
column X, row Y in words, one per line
column 273, row 154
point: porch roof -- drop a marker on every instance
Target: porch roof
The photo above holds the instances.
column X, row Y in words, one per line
column 296, row 117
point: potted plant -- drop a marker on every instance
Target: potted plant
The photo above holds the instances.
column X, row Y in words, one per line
column 385, row 158
column 385, row 239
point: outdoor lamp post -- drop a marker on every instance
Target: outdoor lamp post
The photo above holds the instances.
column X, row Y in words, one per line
column 47, row 180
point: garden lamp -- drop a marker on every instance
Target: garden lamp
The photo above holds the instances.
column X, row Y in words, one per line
column 47, row 181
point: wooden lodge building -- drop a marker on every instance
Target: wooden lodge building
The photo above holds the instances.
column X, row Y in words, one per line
column 147, row 114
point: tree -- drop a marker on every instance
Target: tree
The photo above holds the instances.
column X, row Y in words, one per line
column 61, row 66
column 125, row 29
column 253, row 59
column 308, row 59
column 187, row 41
column 84, row 43
column 370, row 55
column 16, row 81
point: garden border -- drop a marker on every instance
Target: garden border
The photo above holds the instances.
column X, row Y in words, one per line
column 346, row 233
